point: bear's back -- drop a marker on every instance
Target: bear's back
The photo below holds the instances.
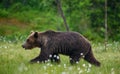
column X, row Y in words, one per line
column 66, row 37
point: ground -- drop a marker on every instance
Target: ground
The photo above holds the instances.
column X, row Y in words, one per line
column 15, row 60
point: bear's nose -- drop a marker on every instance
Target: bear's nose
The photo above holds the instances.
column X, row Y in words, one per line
column 23, row 46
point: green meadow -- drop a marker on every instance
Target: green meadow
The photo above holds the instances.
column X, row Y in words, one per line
column 15, row 60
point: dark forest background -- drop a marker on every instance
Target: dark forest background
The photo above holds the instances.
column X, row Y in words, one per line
column 19, row 17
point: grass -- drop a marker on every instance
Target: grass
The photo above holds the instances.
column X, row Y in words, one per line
column 15, row 60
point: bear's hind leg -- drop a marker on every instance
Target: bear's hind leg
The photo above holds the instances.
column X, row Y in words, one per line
column 89, row 57
column 74, row 59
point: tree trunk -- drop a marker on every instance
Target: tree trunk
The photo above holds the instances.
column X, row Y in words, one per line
column 62, row 14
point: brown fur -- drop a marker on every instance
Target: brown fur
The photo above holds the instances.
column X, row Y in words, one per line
column 53, row 43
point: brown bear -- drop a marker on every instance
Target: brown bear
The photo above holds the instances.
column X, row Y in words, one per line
column 54, row 43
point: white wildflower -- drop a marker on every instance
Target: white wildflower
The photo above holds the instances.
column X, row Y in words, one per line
column 80, row 71
column 51, row 65
column 46, row 61
column 44, row 67
column 38, row 61
column 63, row 73
column 112, row 71
column 51, row 70
column 88, row 70
column 64, row 65
column 50, row 55
column 83, row 65
column 70, row 58
column 25, row 68
column 59, row 65
column 77, row 62
column 78, row 68
column 22, row 67
column 5, row 47
column 90, row 65
column 48, row 64
column 55, row 56
column 58, row 57
column 81, row 54
column 70, row 68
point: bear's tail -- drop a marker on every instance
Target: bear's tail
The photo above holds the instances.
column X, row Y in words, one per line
column 91, row 59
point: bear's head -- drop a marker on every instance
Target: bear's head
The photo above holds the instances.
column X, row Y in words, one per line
column 31, row 41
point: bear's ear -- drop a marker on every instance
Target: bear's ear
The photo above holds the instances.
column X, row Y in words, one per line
column 31, row 32
column 36, row 34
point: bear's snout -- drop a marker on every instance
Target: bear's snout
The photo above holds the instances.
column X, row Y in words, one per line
column 27, row 46
column 23, row 46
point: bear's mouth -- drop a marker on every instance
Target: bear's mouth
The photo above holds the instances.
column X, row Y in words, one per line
column 27, row 48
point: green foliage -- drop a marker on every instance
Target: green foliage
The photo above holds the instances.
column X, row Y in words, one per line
column 84, row 16
column 3, row 13
column 97, row 18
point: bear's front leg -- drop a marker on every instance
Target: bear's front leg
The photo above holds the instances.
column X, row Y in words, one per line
column 43, row 57
column 54, row 58
column 35, row 59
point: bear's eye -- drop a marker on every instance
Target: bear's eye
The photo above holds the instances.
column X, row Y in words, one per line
column 28, row 40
